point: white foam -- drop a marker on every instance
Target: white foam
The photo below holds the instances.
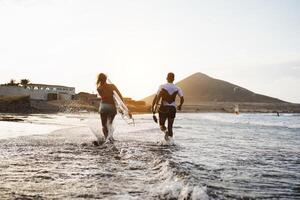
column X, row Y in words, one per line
column 127, row 153
column 95, row 129
column 125, row 196
column 199, row 193
column 169, row 142
column 173, row 187
column 94, row 125
column 170, row 190
column 177, row 189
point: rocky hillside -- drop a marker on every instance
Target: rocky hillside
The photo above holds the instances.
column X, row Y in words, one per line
column 199, row 88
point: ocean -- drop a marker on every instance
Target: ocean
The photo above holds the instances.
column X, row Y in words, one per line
column 215, row 156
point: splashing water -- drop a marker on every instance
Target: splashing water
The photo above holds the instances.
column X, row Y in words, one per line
column 215, row 156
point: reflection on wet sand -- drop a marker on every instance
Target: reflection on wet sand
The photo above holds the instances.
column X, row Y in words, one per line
column 67, row 165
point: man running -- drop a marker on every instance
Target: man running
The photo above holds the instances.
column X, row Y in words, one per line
column 167, row 111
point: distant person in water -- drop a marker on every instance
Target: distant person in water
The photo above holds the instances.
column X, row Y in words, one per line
column 167, row 110
column 107, row 107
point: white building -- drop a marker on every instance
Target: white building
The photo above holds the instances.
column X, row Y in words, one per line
column 40, row 91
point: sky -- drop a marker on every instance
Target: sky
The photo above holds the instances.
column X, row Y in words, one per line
column 251, row 43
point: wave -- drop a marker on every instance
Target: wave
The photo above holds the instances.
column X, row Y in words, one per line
column 174, row 183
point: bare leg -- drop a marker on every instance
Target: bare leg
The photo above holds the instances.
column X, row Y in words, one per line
column 162, row 121
column 111, row 118
column 170, row 126
column 110, row 129
column 104, row 118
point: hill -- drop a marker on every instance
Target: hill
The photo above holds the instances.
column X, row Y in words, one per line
column 200, row 88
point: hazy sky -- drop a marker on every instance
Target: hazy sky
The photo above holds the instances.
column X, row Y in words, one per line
column 255, row 43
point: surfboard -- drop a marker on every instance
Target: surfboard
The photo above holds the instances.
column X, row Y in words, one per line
column 122, row 109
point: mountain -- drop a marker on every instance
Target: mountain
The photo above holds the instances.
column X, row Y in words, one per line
column 200, row 88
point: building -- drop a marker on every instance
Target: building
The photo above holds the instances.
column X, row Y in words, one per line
column 39, row 91
column 91, row 99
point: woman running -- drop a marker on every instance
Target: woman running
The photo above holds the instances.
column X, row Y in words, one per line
column 107, row 107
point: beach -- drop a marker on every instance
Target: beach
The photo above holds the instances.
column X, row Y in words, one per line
column 215, row 156
column 222, row 77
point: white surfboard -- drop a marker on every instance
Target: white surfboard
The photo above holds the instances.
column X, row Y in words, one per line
column 122, row 109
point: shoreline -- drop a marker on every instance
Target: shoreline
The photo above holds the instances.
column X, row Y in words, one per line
column 8, row 116
column 23, row 105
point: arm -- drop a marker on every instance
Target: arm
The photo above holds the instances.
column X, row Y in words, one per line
column 155, row 102
column 181, row 102
column 99, row 90
column 180, row 93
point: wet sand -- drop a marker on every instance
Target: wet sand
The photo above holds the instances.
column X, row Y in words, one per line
column 65, row 164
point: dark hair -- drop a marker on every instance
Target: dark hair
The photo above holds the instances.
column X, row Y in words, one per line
column 171, row 77
column 101, row 79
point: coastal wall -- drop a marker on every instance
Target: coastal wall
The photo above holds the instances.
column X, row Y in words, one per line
column 15, row 104
column 36, row 93
column 15, row 90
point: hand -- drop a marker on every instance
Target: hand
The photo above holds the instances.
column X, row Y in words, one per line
column 153, row 111
column 154, row 118
column 179, row 107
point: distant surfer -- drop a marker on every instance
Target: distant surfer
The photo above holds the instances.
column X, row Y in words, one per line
column 167, row 110
column 236, row 109
column 107, row 107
